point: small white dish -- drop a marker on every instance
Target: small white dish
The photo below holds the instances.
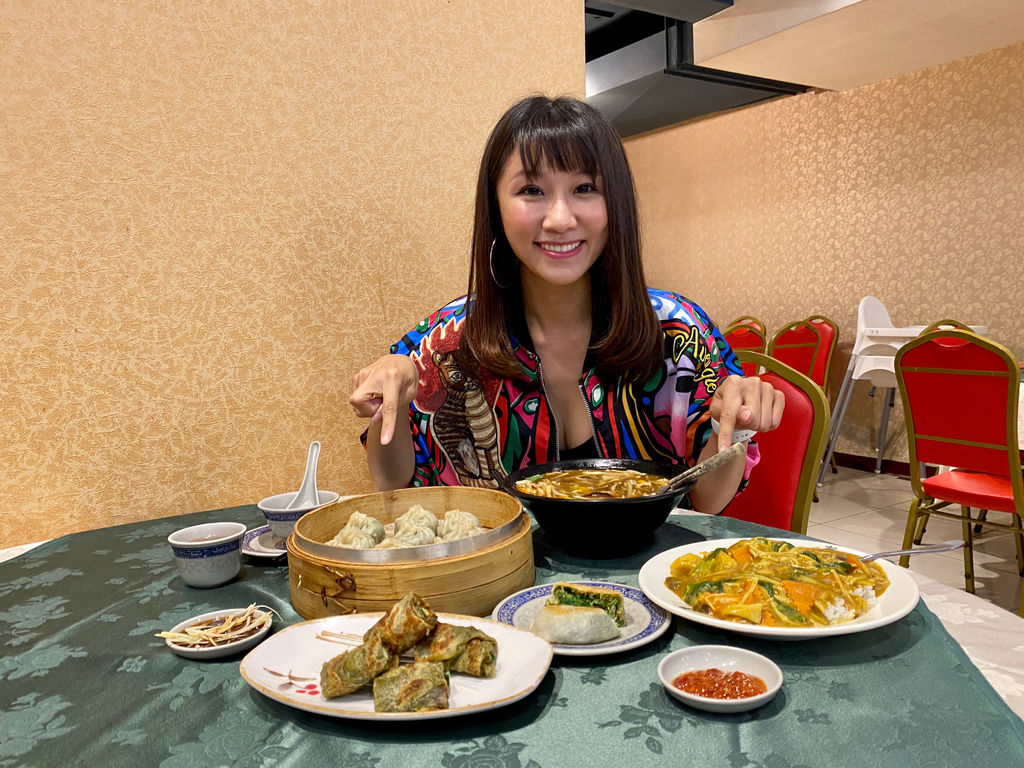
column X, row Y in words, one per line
column 261, row 542
column 281, row 519
column 217, row 651
column 645, row 621
column 209, row 554
column 727, row 659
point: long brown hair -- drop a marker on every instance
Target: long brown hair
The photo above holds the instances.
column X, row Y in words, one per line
column 567, row 135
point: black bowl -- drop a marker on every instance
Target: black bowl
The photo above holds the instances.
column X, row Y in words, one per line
column 599, row 528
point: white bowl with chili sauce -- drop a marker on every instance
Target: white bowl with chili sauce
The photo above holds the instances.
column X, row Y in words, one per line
column 728, row 660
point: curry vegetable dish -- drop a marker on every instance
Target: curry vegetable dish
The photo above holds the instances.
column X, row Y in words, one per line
column 775, row 584
column 592, row 484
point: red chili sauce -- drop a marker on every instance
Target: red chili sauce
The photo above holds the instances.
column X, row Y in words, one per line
column 716, row 684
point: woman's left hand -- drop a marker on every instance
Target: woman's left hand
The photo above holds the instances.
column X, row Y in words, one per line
column 745, row 403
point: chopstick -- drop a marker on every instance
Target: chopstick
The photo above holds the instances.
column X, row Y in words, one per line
column 719, row 459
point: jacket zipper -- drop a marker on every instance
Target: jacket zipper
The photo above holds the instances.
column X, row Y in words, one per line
column 590, row 414
column 554, row 421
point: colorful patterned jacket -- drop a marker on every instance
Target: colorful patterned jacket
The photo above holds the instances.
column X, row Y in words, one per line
column 468, row 431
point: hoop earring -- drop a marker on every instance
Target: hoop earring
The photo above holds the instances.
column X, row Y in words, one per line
column 494, row 276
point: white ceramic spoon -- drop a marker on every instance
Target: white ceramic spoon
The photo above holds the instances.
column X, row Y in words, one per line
column 307, row 495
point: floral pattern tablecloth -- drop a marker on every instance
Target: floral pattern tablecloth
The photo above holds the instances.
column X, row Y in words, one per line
column 83, row 681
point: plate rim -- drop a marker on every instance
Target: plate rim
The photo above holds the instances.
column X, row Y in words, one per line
column 675, row 606
column 320, row 708
column 217, row 651
column 255, row 533
column 655, row 611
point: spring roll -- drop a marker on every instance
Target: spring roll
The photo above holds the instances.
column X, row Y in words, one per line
column 411, row 688
column 353, row 669
column 574, row 625
column 408, row 622
column 460, row 649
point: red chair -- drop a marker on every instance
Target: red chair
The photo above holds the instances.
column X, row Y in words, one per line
column 781, row 486
column 798, row 345
column 753, row 322
column 960, row 399
column 829, row 333
column 749, row 336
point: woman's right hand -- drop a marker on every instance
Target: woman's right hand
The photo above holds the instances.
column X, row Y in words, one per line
column 383, row 388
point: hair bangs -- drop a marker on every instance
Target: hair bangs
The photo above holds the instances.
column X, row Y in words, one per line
column 558, row 143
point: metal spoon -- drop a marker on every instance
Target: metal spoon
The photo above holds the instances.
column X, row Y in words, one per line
column 946, row 546
column 307, row 495
column 719, row 459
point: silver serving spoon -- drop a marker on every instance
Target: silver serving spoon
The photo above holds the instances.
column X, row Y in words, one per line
column 946, row 546
column 307, row 495
column 719, row 459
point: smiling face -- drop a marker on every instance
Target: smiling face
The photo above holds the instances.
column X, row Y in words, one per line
column 555, row 221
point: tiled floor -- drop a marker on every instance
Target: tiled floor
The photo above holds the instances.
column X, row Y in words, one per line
column 868, row 512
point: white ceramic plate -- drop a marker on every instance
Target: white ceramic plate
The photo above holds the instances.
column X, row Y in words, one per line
column 261, row 542
column 895, row 603
column 645, row 621
column 727, row 659
column 287, row 668
column 217, row 651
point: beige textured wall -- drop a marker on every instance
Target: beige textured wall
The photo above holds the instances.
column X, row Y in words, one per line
column 211, row 214
column 910, row 190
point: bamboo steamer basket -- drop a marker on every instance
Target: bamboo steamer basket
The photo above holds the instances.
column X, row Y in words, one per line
column 471, row 582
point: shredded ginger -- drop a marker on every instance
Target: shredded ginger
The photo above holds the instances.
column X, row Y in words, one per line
column 221, row 630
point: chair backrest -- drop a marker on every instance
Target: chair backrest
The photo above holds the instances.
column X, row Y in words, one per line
column 945, row 323
column 960, row 397
column 829, row 332
column 781, row 486
column 871, row 313
column 798, row 345
column 753, row 322
column 745, row 337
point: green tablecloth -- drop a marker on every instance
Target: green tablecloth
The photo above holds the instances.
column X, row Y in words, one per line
column 83, row 681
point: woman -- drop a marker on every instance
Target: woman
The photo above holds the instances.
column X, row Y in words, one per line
column 560, row 351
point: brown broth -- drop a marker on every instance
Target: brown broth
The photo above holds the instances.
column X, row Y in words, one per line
column 592, row 484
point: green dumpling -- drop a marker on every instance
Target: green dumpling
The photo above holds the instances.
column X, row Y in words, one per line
column 461, row 649
column 351, row 670
column 411, row 688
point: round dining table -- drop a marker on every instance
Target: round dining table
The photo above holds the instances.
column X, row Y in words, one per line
column 85, row 681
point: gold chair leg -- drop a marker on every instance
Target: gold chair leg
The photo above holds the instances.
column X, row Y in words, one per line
column 908, row 534
column 981, row 519
column 922, row 524
column 968, row 527
column 1019, row 536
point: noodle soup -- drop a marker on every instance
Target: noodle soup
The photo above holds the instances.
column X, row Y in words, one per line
column 592, row 484
column 597, row 507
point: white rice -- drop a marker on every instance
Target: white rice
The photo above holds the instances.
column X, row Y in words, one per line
column 838, row 610
column 867, row 593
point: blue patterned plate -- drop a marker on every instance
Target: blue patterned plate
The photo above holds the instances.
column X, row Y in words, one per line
column 645, row 621
column 261, row 542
